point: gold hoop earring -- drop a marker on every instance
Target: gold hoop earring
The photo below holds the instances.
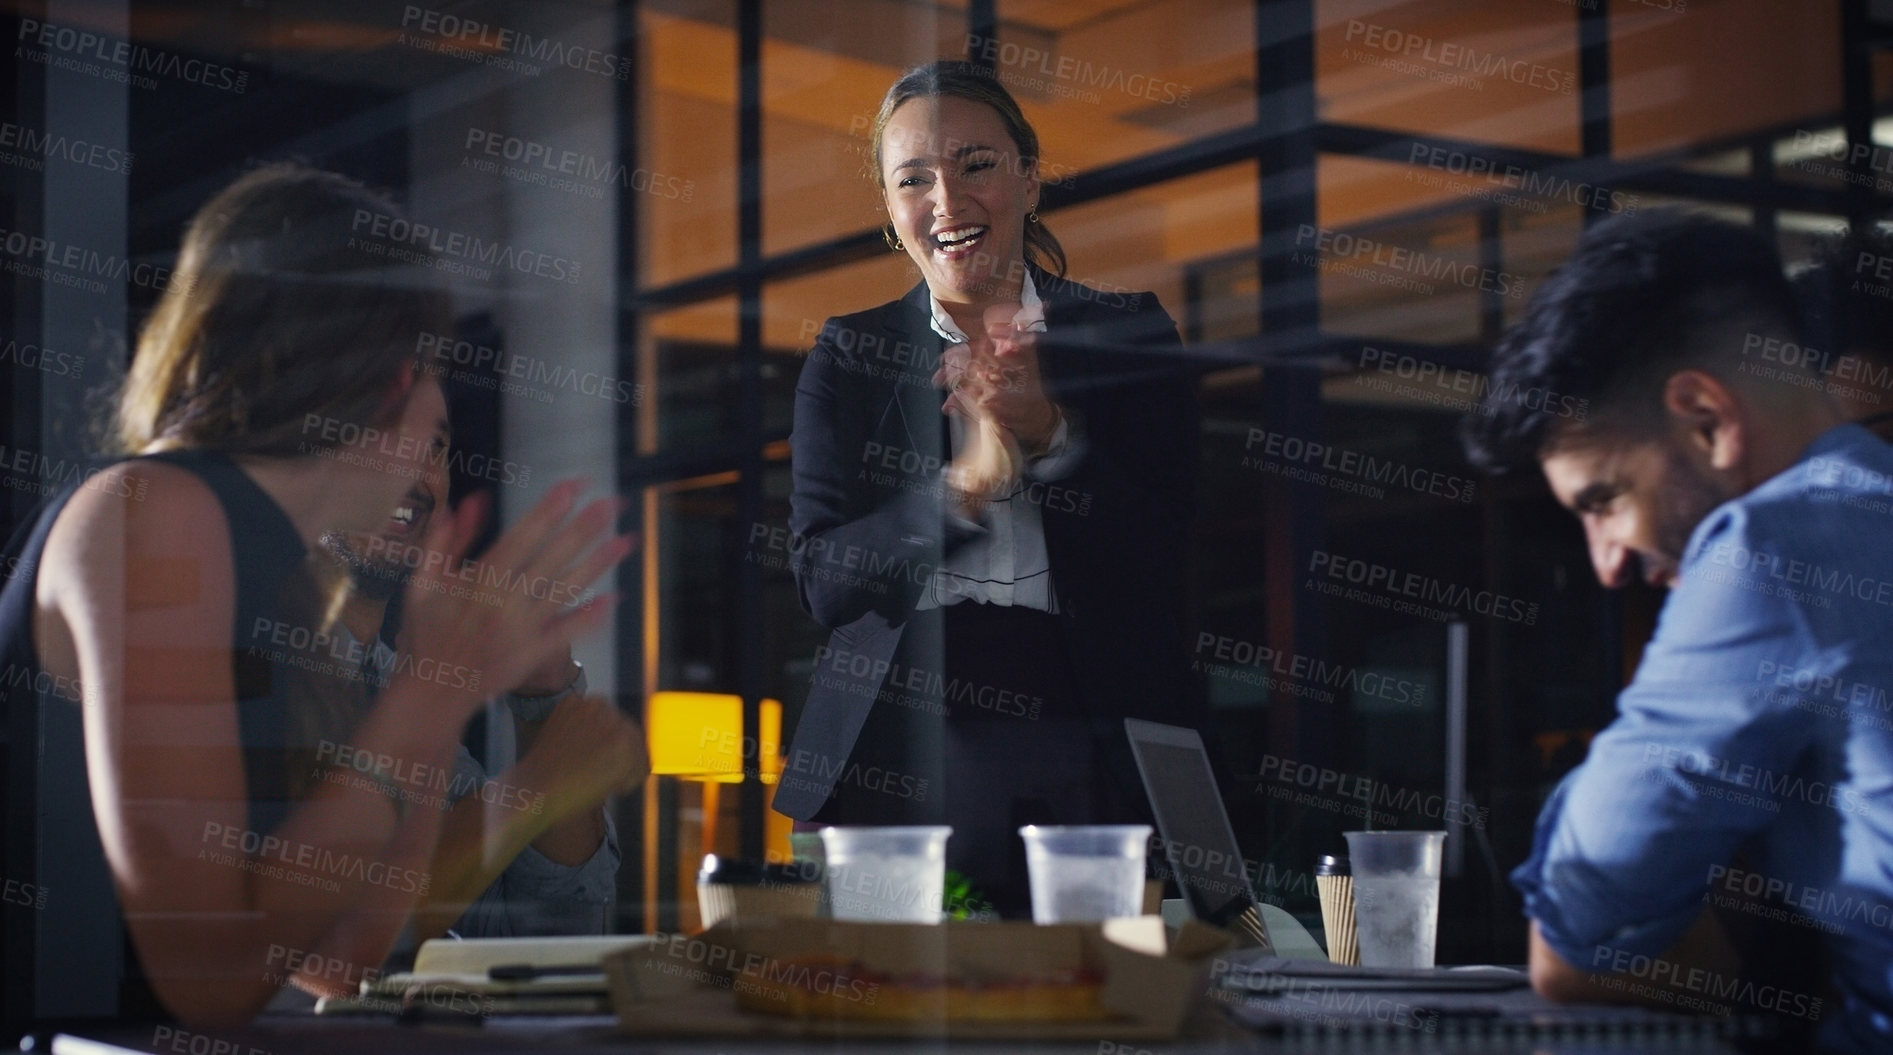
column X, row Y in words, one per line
column 893, row 241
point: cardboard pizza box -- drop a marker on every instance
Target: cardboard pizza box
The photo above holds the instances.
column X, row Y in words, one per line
column 689, row 985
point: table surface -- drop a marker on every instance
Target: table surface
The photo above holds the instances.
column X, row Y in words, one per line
column 517, row 1035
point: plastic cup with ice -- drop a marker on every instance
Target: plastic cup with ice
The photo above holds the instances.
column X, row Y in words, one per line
column 1396, row 896
column 886, row 875
column 1085, row 873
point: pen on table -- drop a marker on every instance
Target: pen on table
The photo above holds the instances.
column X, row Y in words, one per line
column 524, row 972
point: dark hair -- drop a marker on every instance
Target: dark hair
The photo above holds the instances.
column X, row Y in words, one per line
column 1642, row 297
column 1846, row 306
column 964, row 80
column 274, row 312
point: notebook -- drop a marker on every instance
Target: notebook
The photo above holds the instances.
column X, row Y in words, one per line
column 488, row 976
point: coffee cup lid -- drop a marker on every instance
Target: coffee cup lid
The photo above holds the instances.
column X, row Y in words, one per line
column 1332, row 865
column 732, row 871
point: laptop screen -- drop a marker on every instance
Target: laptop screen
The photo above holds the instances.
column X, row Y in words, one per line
column 1197, row 838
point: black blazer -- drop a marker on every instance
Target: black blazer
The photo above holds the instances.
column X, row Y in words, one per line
column 868, row 529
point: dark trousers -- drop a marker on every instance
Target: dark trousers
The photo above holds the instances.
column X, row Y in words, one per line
column 993, row 728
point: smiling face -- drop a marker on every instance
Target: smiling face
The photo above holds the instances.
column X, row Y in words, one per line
column 957, row 193
column 1638, row 501
column 378, row 561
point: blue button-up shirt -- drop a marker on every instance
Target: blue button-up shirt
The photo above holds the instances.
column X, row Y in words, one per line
column 1760, row 720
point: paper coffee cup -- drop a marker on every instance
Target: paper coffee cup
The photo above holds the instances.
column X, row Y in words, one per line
column 727, row 888
column 1336, row 888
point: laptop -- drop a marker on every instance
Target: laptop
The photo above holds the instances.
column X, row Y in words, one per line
column 1197, row 839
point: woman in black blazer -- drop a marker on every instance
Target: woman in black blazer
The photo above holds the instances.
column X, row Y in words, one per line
column 993, row 487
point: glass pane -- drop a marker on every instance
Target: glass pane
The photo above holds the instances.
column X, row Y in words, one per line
column 1493, row 71
column 1800, row 234
column 687, row 133
column 1102, row 82
column 795, row 309
column 697, row 539
column 1683, row 78
column 1156, row 237
column 825, row 68
column 1418, row 280
column 791, row 636
column 687, row 367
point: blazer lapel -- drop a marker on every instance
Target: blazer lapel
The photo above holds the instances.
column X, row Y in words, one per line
column 915, row 403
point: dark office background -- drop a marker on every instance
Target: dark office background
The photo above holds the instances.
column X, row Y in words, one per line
column 1257, row 163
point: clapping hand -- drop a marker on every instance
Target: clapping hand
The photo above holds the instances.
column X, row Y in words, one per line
column 993, row 385
column 517, row 612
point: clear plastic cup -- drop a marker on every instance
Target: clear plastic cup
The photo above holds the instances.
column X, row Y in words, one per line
column 886, row 875
column 1396, row 896
column 1085, row 873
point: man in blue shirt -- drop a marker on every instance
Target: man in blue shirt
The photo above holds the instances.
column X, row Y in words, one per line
column 1659, row 383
